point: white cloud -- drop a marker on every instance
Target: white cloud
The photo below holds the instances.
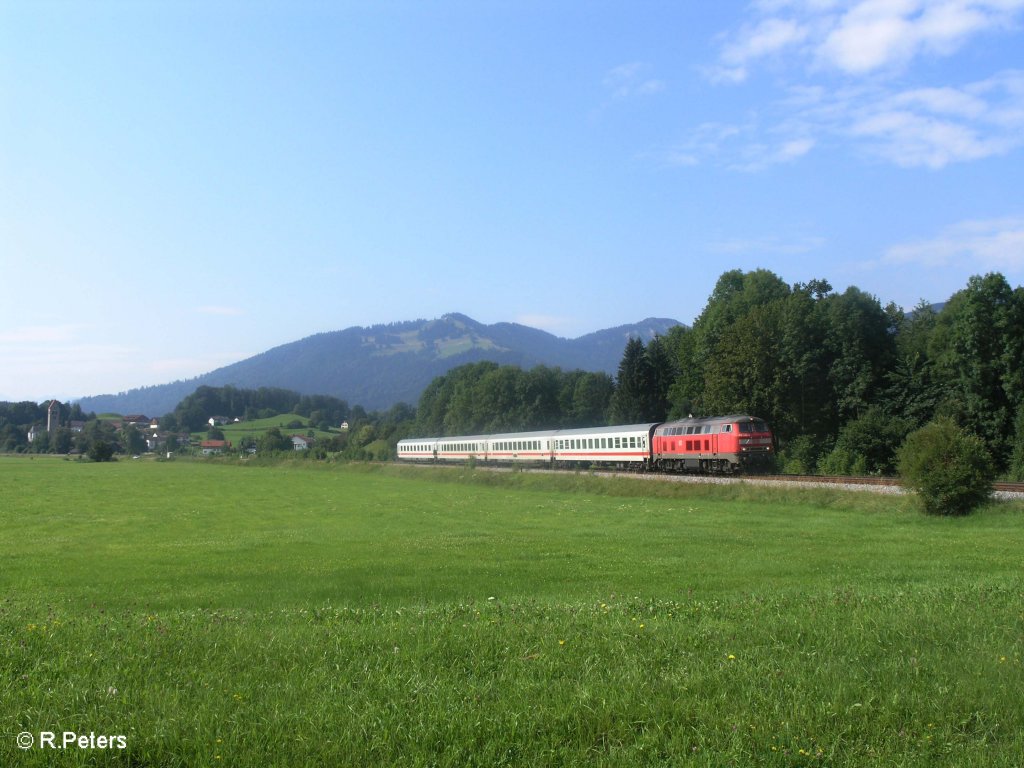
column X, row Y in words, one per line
column 836, row 61
column 858, row 37
column 988, row 244
column 922, row 127
column 933, row 127
column 766, row 38
column 628, row 80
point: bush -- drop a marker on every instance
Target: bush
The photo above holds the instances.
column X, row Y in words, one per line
column 800, row 455
column 867, row 445
column 949, row 468
column 101, row 450
column 843, row 461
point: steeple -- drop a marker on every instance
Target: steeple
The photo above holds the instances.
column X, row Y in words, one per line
column 52, row 416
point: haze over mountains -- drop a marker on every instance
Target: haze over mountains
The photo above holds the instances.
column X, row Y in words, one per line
column 379, row 366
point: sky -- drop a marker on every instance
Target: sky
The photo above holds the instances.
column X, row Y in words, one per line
column 186, row 184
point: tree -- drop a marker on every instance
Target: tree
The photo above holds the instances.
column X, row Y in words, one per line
column 61, row 440
column 860, row 350
column 1016, row 471
column 631, row 401
column 538, row 395
column 978, row 349
column 948, row 467
column 272, row 441
column 591, row 398
column 662, row 373
column 736, row 295
column 744, row 373
column 134, row 441
column 101, row 450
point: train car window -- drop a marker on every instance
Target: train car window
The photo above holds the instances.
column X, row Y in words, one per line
column 727, row 427
column 632, row 442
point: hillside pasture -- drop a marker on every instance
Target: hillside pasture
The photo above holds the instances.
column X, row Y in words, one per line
column 256, row 428
column 316, row 614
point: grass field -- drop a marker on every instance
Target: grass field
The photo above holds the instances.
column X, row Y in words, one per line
column 236, row 432
column 316, row 614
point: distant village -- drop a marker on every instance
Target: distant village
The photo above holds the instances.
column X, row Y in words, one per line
column 137, row 433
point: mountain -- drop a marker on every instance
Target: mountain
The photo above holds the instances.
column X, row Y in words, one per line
column 382, row 365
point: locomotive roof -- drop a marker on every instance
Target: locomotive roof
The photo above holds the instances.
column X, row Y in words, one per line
column 731, row 418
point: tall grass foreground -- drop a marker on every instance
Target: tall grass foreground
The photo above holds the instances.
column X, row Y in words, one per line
column 205, row 613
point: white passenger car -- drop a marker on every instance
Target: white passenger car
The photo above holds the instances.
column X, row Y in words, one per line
column 621, row 445
column 629, row 444
column 521, row 446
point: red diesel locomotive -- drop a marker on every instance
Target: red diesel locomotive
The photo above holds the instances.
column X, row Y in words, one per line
column 715, row 444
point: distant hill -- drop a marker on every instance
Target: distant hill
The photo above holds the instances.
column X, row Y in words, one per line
column 382, row 365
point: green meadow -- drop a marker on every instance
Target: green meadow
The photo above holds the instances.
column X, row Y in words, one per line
column 306, row 613
column 256, row 428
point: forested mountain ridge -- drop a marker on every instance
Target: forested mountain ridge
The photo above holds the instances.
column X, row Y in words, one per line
column 381, row 365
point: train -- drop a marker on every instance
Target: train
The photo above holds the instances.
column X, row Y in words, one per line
column 719, row 444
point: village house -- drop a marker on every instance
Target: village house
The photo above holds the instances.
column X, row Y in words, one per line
column 301, row 443
column 212, row 447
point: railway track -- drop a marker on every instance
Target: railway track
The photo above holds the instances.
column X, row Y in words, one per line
column 853, row 482
column 1011, row 488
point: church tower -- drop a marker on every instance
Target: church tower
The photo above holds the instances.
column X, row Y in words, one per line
column 53, row 416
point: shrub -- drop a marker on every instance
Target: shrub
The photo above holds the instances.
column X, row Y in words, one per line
column 101, row 450
column 842, row 461
column 867, row 445
column 949, row 468
column 800, row 455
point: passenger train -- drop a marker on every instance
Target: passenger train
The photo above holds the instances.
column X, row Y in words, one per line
column 716, row 444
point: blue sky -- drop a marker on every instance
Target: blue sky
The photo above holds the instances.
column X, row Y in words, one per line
column 186, row 184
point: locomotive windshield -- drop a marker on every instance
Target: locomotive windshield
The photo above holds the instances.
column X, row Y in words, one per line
column 753, row 426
